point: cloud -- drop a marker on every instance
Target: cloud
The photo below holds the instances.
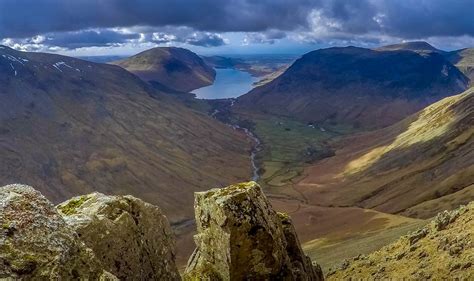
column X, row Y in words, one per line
column 115, row 37
column 83, row 23
column 206, row 40
column 88, row 38
column 268, row 37
column 24, row 18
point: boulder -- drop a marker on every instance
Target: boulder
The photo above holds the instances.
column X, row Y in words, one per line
column 131, row 238
column 241, row 237
column 37, row 244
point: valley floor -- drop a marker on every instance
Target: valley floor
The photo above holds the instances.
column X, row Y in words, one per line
column 303, row 170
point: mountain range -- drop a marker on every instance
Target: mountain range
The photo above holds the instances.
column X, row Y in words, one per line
column 358, row 146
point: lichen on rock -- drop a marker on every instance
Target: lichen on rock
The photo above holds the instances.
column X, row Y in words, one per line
column 131, row 238
column 37, row 244
column 241, row 237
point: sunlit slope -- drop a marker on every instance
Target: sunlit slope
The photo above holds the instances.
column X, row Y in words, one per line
column 442, row 250
column 331, row 234
column 416, row 167
column 170, row 67
column 71, row 127
column 416, row 46
column 464, row 60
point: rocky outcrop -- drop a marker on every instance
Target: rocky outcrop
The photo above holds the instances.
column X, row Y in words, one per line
column 240, row 237
column 37, row 244
column 131, row 238
column 443, row 250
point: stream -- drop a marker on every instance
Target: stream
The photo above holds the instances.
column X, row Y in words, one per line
column 253, row 154
column 257, row 147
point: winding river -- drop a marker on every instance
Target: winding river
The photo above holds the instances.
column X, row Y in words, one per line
column 229, row 84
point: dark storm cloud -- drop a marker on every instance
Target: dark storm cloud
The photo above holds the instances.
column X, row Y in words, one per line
column 403, row 19
column 419, row 18
column 22, row 18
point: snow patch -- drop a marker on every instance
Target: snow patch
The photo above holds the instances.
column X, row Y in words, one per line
column 444, row 71
column 13, row 68
column 13, row 59
column 61, row 63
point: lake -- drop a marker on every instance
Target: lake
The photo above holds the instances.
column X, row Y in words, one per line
column 229, row 83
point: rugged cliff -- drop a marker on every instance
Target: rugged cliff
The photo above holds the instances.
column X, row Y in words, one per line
column 241, row 237
column 100, row 237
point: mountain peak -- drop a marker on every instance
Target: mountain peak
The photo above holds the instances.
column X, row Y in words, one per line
column 417, row 46
column 173, row 67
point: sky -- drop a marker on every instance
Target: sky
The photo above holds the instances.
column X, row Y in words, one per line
column 125, row 27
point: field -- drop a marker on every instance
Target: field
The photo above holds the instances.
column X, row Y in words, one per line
column 288, row 146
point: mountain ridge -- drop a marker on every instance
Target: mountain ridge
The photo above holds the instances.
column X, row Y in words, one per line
column 362, row 87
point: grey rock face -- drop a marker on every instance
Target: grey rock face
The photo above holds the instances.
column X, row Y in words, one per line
column 37, row 244
column 131, row 238
column 240, row 237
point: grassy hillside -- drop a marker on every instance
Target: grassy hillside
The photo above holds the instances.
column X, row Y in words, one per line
column 442, row 250
column 415, row 167
column 174, row 68
column 71, row 127
column 464, row 60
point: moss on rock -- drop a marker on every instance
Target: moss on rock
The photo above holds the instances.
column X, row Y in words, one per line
column 71, row 206
column 37, row 244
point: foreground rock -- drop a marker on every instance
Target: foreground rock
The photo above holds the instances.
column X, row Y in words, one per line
column 443, row 250
column 37, row 244
column 132, row 239
column 240, row 237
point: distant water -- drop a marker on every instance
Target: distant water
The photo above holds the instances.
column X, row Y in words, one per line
column 229, row 83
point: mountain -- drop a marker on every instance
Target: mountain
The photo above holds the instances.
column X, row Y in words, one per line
column 442, row 250
column 464, row 60
column 71, row 127
column 175, row 68
column 417, row 167
column 417, row 46
column 362, row 87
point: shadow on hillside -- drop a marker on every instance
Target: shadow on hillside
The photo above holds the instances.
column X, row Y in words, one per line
column 419, row 157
